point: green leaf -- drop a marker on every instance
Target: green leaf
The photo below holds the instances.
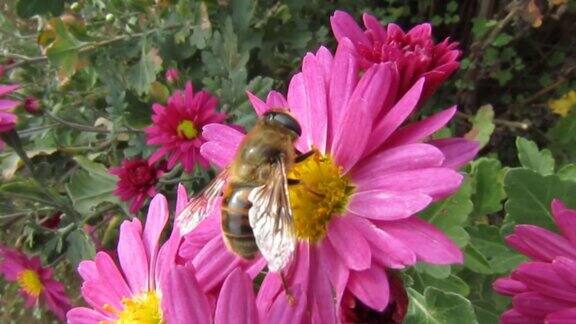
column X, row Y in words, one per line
column 450, row 284
column 29, row 8
column 482, row 125
column 242, row 11
column 143, row 73
column 501, row 40
column 79, row 247
column 476, row 261
column 530, row 195
column 532, row 158
column 487, row 240
column 567, row 172
column 488, row 181
column 27, row 190
column 438, row 271
column 90, row 186
column 451, row 213
column 63, row 52
column 438, row 307
column 563, row 134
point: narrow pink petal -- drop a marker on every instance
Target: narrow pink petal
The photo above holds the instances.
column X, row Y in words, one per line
column 155, row 221
column 457, row 151
column 343, row 25
column 213, row 263
column 435, row 182
column 562, row 317
column 536, row 305
column 8, row 105
column 132, row 256
column 430, row 244
column 335, row 267
column 541, row 277
column 565, row 218
column 88, row 270
column 374, row 26
column 217, row 154
column 387, row 205
column 299, row 104
column 8, row 88
column 260, row 107
column 371, row 287
column 236, row 300
column 315, row 86
column 276, row 100
column 545, row 243
column 181, row 198
column 512, row 316
column 509, row 286
column 111, row 276
column 517, row 243
column 418, row 131
column 83, row 315
column 566, row 269
column 348, row 241
column 396, row 116
column 400, row 158
column 283, row 311
column 182, row 298
column 321, row 290
column 223, row 134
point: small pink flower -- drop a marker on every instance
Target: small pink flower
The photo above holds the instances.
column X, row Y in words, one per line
column 137, row 181
column 7, row 118
column 377, row 173
column 544, row 289
column 177, row 127
column 172, row 75
column 34, row 280
column 415, row 52
column 32, row 105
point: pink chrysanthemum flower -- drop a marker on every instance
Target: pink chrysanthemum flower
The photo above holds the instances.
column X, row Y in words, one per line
column 34, row 280
column 415, row 52
column 7, row 118
column 375, row 176
column 544, row 289
column 137, row 180
column 177, row 127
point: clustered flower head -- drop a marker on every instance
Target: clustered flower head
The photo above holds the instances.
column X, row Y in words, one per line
column 137, row 180
column 543, row 290
column 36, row 282
column 177, row 127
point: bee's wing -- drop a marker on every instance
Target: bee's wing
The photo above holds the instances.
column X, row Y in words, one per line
column 271, row 219
column 202, row 204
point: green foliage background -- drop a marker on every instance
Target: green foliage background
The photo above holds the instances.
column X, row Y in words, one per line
column 98, row 65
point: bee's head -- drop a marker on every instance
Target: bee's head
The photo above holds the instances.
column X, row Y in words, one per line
column 284, row 119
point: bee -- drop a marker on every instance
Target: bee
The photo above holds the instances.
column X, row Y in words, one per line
column 255, row 209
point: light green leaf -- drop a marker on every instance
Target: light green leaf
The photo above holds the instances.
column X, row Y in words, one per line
column 482, row 125
column 567, row 172
column 143, row 73
column 79, row 247
column 476, row 261
column 488, row 182
column 530, row 195
column 487, row 240
column 91, row 186
column 532, row 158
column 452, row 283
column 438, row 307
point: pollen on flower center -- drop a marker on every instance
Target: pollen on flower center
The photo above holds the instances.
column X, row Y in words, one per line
column 187, row 129
column 30, row 282
column 141, row 309
column 321, row 193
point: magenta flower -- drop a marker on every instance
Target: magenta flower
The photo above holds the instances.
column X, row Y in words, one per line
column 172, row 75
column 177, row 128
column 415, row 53
column 137, row 181
column 544, row 289
column 7, row 118
column 35, row 281
column 374, row 174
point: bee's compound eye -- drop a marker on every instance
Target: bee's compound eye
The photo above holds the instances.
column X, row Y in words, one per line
column 285, row 120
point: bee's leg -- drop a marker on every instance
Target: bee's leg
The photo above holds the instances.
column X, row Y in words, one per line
column 289, row 296
column 303, row 156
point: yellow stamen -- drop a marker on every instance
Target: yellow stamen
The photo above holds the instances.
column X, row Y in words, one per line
column 30, row 282
column 321, row 193
column 187, row 129
column 141, row 309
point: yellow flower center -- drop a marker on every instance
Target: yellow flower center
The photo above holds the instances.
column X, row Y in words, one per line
column 140, row 309
column 187, row 129
column 321, row 193
column 563, row 105
column 30, row 282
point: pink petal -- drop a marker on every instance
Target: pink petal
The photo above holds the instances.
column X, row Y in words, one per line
column 541, row 277
column 418, row 131
column 536, row 305
column 213, row 264
column 299, row 104
column 276, row 100
column 260, row 107
column 320, row 294
column 373, row 25
column 225, row 135
column 430, row 244
column 566, row 269
column 387, row 205
column 8, row 88
column 285, row 312
column 182, row 298
column 546, row 244
column 562, row 317
column 343, row 25
column 400, row 158
column 155, row 222
column 512, row 316
column 236, row 300
column 83, row 315
column 348, row 241
column 435, row 182
column 111, row 276
column 181, row 199
column 457, row 151
column 132, row 256
column 396, row 116
column 371, row 287
column 333, row 264
column 314, row 83
column 565, row 219
column 508, row 286
column 8, row 105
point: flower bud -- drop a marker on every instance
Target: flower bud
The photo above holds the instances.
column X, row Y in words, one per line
column 172, row 75
column 32, row 105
